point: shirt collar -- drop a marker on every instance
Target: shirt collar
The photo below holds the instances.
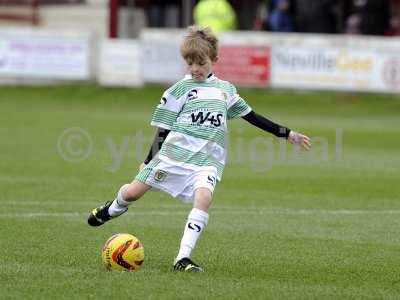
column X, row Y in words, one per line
column 209, row 78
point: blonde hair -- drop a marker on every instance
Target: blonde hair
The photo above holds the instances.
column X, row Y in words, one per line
column 199, row 43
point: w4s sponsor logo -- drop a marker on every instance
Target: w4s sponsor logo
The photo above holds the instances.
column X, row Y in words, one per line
column 201, row 118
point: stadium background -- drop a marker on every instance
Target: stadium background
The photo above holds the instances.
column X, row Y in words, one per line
column 75, row 107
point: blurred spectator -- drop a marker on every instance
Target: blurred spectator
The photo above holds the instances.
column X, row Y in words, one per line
column 246, row 12
column 394, row 26
column 217, row 14
column 370, row 17
column 162, row 13
column 395, row 20
column 316, row 16
column 280, row 16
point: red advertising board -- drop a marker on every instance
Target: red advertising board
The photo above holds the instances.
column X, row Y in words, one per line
column 244, row 65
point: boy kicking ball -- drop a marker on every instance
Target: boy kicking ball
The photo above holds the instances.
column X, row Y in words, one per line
column 188, row 154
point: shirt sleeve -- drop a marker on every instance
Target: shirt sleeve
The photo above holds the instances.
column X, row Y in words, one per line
column 167, row 111
column 237, row 106
column 267, row 125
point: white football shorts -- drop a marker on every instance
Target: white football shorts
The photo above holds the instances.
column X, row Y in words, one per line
column 175, row 180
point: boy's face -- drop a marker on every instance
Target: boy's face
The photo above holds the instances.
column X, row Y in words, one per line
column 200, row 69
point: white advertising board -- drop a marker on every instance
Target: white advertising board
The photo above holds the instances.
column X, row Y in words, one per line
column 335, row 68
column 119, row 63
column 161, row 62
column 43, row 54
column 160, row 58
column 335, row 62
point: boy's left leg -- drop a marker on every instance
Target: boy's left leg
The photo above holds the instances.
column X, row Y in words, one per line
column 126, row 195
column 197, row 220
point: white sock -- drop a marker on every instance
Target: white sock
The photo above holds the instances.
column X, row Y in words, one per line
column 119, row 205
column 195, row 224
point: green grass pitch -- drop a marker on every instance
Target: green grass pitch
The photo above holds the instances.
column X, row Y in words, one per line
column 284, row 224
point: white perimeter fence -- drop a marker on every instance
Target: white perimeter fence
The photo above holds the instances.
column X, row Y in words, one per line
column 256, row 59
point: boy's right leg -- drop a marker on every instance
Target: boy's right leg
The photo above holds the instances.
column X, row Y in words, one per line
column 126, row 195
column 196, row 222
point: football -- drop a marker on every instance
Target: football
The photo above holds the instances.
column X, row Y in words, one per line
column 123, row 252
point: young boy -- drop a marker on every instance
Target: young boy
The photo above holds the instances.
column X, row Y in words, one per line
column 189, row 151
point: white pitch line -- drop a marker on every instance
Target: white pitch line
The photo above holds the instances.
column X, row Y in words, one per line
column 63, row 201
column 221, row 209
column 215, row 211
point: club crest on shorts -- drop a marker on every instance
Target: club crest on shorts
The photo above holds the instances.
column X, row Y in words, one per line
column 160, row 175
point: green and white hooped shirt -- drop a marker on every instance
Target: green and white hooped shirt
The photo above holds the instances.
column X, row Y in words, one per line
column 196, row 113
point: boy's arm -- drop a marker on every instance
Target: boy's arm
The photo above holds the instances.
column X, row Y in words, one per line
column 278, row 130
column 159, row 138
column 267, row 125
